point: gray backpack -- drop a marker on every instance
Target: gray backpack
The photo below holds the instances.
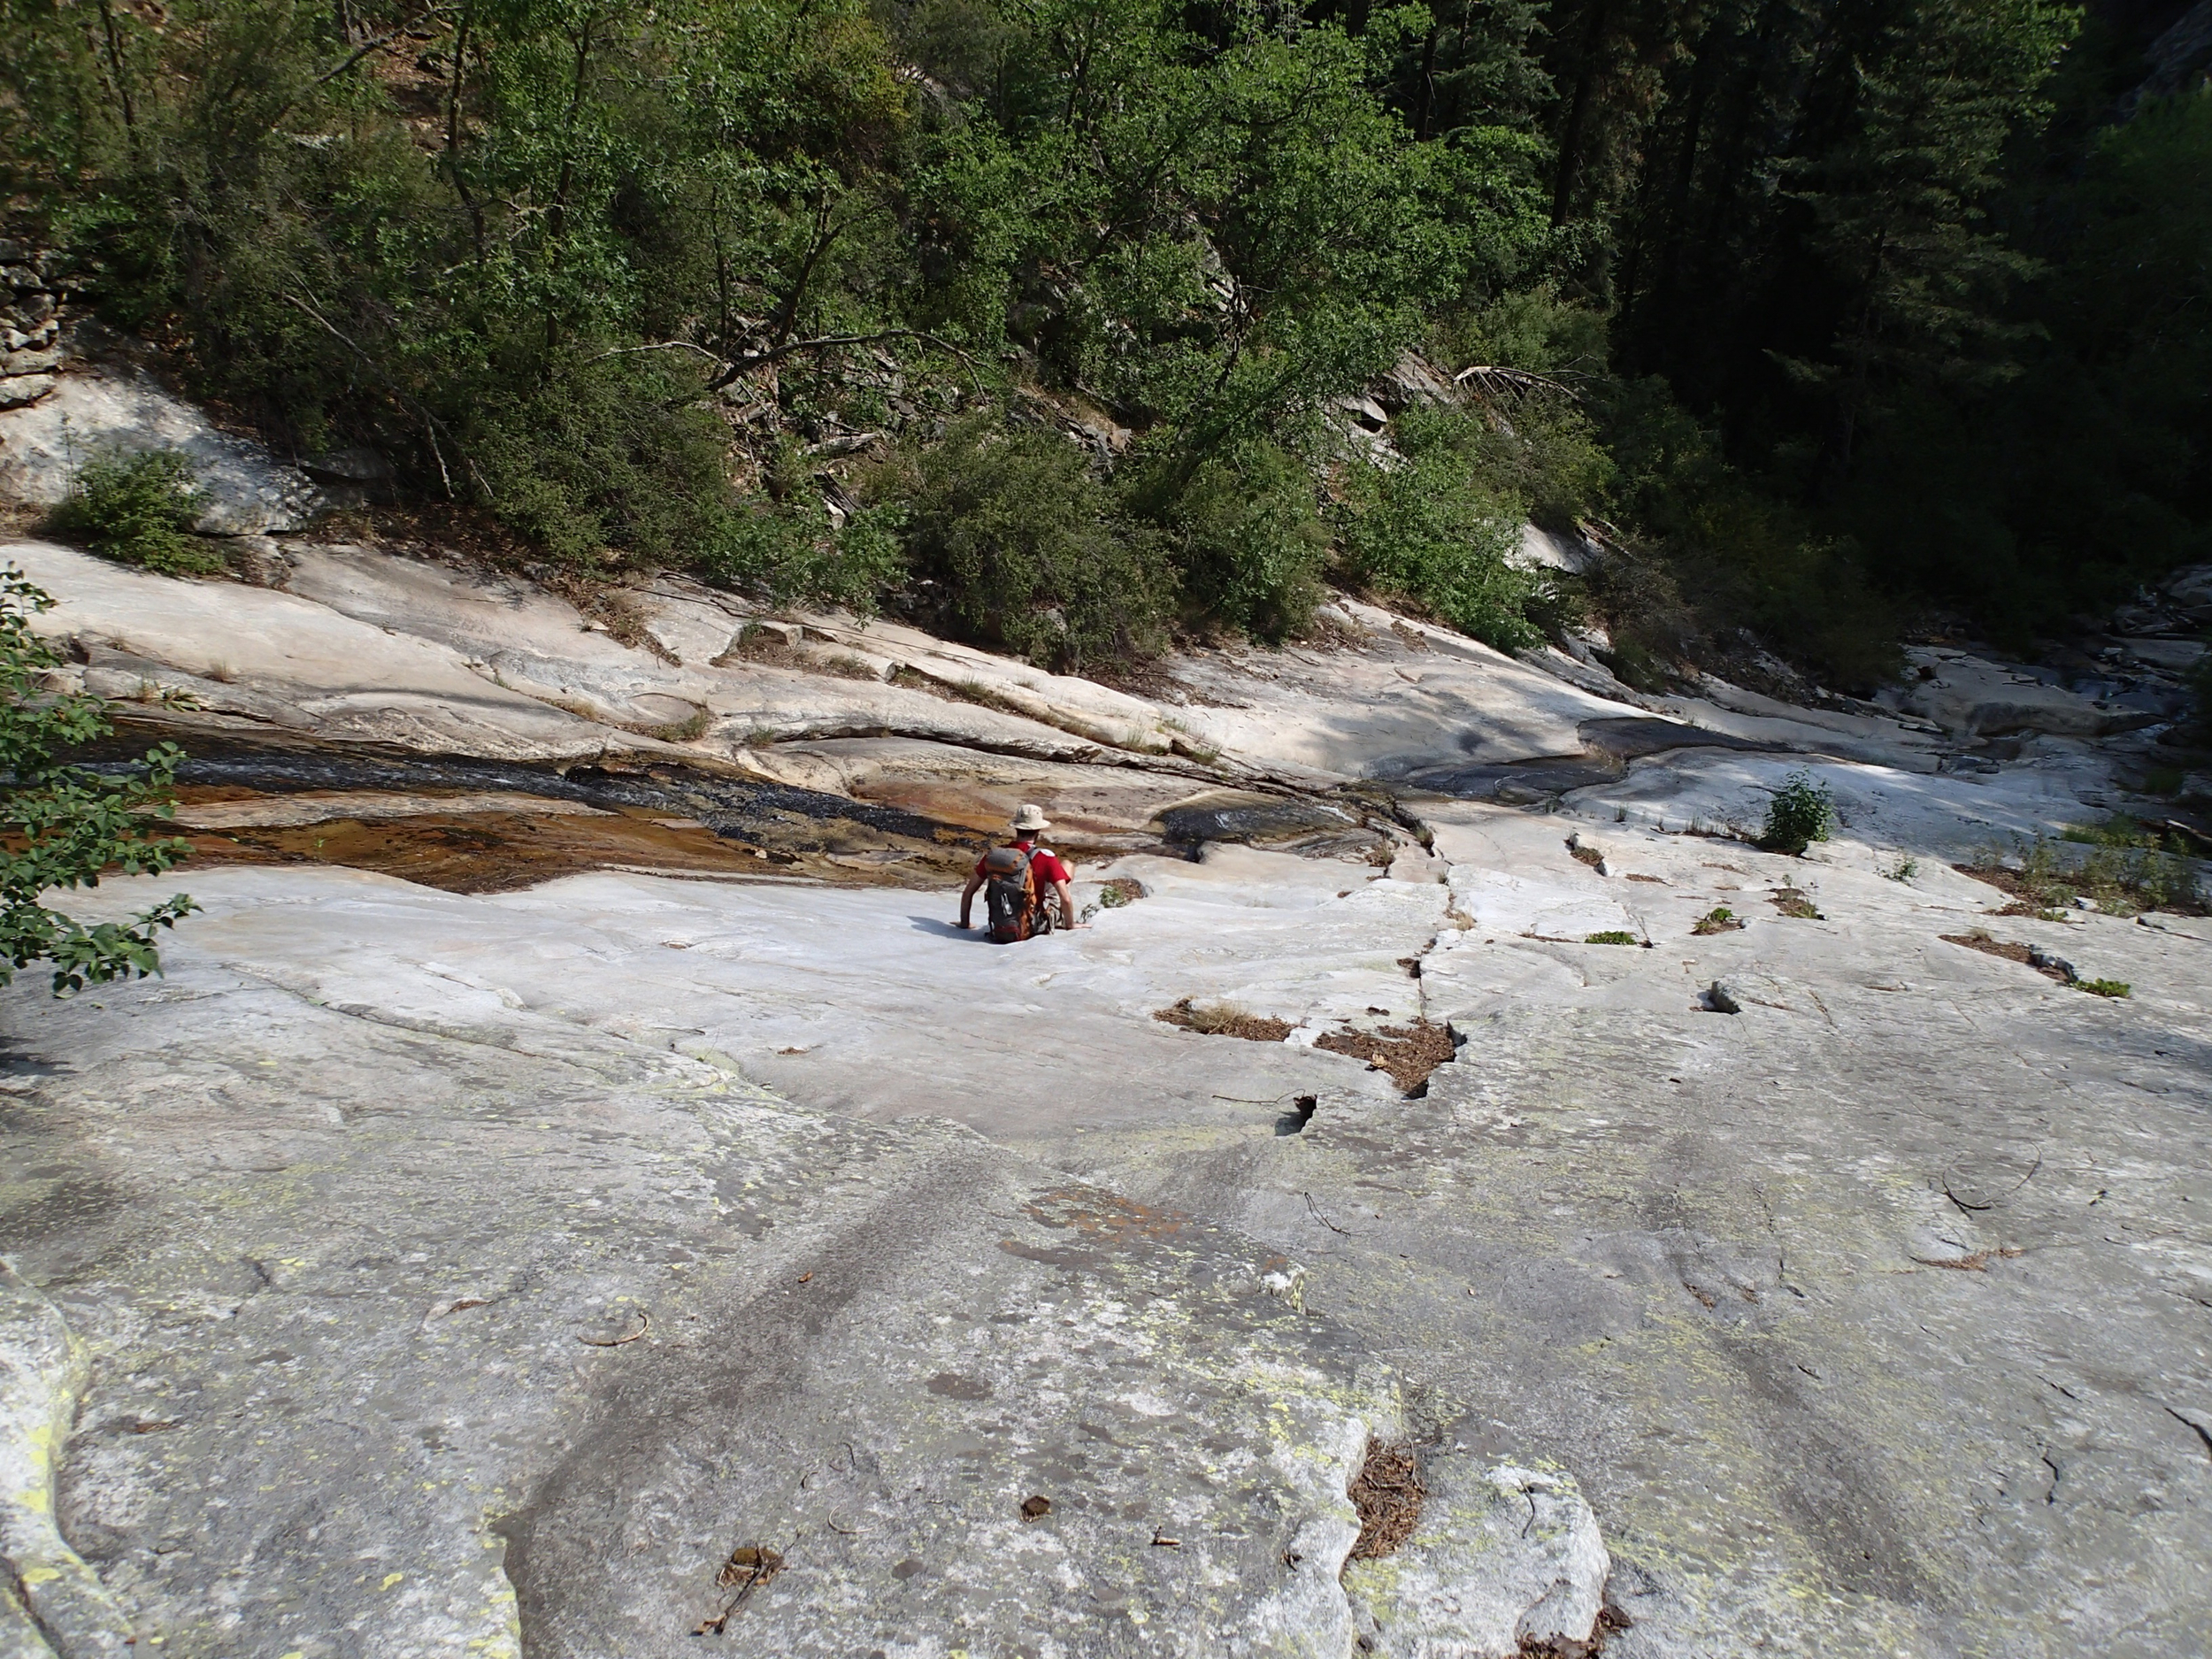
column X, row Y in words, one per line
column 1010, row 897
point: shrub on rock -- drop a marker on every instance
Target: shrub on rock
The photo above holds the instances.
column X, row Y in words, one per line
column 138, row 509
column 1801, row 812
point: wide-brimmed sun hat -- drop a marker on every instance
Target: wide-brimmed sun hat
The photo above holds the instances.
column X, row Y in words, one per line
column 1031, row 818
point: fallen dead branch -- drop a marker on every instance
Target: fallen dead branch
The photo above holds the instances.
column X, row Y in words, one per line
column 644, row 1324
column 749, row 1567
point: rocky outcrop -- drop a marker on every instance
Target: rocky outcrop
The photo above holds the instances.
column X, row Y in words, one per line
column 2178, row 59
column 1507, row 1561
column 32, row 317
column 454, row 1245
column 51, row 1603
column 110, row 410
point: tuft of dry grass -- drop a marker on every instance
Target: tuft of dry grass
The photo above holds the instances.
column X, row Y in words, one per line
column 610, row 607
column 1790, row 901
column 684, row 731
column 756, row 644
column 1224, row 1019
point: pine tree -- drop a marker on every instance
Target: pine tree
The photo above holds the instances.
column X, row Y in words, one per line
column 1898, row 200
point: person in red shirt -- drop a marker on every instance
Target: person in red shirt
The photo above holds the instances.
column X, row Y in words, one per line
column 1045, row 868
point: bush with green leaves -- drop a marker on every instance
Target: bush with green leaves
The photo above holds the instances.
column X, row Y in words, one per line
column 1801, row 812
column 140, row 509
column 1245, row 527
column 2131, row 866
column 1431, row 530
column 62, row 825
column 620, row 456
column 1028, row 547
column 790, row 552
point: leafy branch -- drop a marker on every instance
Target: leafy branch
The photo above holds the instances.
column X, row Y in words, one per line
column 62, row 827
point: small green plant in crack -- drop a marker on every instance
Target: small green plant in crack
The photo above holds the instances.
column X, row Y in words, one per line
column 1790, row 901
column 2120, row 878
column 686, row 730
column 2104, row 988
column 1116, row 891
column 1801, row 812
column 2164, row 780
column 1720, row 919
column 1612, row 936
column 1903, row 869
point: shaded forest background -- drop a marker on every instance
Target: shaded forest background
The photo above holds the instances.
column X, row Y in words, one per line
column 1069, row 325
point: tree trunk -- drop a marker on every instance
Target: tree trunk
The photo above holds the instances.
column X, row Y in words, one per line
column 1571, row 136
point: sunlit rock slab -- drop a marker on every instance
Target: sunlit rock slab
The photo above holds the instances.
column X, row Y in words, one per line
column 871, row 1001
column 436, row 653
column 1782, row 1292
column 1874, row 1314
column 340, row 676
column 1949, row 815
column 421, row 1323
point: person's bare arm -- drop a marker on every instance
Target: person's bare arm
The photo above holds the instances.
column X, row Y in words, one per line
column 1068, row 915
column 967, row 897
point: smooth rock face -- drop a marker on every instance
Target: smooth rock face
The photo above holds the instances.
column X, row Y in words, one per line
column 50, row 1591
column 1725, row 1272
column 410, row 1273
column 1966, row 693
column 456, row 1284
column 275, row 658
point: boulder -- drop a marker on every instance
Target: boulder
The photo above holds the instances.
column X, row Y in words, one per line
column 51, row 431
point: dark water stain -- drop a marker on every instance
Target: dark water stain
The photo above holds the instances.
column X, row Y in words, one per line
column 81, row 1203
column 953, row 1386
column 1234, row 815
column 1513, row 782
column 1608, row 747
column 660, row 816
column 1635, row 736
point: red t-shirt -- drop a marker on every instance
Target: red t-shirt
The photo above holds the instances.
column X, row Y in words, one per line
column 1047, row 868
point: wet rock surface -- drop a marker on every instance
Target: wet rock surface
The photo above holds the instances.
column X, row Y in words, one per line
column 645, row 1233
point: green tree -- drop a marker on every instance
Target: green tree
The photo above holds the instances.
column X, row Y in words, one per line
column 1029, row 548
column 1899, row 202
column 65, row 827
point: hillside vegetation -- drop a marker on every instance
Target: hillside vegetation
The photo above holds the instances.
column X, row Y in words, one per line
column 1037, row 319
